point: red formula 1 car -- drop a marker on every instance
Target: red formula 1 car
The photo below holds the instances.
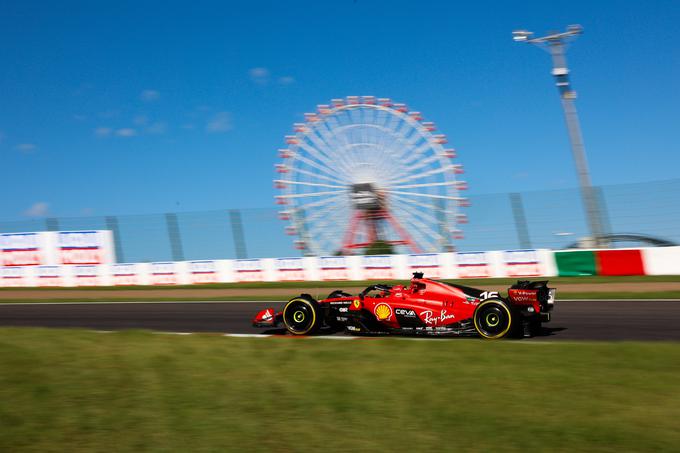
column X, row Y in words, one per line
column 427, row 307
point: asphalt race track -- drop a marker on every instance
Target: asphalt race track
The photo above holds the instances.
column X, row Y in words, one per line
column 572, row 320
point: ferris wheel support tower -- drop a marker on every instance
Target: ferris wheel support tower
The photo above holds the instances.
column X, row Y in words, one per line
column 555, row 44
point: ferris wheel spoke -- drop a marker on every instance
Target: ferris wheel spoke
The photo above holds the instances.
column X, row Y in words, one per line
column 416, row 230
column 331, row 141
column 315, row 175
column 321, row 163
column 333, row 159
column 321, row 202
column 287, row 181
column 417, row 153
column 418, row 210
column 427, row 232
column 424, row 174
column 423, row 163
column 418, row 205
column 319, row 167
column 322, row 212
column 334, row 139
column 311, row 194
column 430, row 184
column 424, row 195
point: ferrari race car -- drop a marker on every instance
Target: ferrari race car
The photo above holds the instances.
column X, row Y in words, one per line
column 427, row 307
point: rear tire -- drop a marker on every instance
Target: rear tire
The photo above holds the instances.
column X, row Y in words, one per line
column 302, row 316
column 493, row 319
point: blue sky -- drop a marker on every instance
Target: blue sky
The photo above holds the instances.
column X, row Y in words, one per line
column 142, row 107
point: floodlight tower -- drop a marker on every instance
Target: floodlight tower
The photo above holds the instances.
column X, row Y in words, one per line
column 555, row 44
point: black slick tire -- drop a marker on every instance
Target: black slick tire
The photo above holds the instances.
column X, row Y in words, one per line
column 494, row 319
column 302, row 316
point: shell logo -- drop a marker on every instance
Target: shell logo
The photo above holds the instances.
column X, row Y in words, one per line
column 382, row 312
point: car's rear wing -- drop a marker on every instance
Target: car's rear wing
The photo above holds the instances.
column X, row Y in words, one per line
column 525, row 292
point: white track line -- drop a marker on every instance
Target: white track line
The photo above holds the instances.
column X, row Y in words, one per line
column 530, row 341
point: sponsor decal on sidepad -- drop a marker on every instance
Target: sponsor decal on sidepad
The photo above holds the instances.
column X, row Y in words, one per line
column 382, row 311
column 356, row 303
column 343, row 309
column 429, row 319
column 408, row 313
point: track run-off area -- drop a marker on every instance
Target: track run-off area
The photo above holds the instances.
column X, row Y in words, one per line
column 619, row 320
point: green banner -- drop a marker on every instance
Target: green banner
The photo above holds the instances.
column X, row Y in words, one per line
column 574, row 264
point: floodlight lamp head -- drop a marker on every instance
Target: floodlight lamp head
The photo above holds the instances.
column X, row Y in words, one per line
column 521, row 35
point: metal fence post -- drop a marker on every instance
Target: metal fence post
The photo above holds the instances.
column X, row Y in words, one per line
column 237, row 234
column 174, row 236
column 520, row 220
column 112, row 224
column 52, row 224
column 604, row 215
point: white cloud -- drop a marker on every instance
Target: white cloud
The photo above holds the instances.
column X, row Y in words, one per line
column 26, row 148
column 286, row 80
column 220, row 122
column 38, row 209
column 149, row 95
column 159, row 127
column 259, row 75
column 126, row 132
column 102, row 131
column 140, row 120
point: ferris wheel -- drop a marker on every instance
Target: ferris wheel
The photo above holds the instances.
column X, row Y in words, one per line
column 362, row 170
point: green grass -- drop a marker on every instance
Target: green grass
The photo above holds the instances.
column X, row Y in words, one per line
column 71, row 390
column 361, row 283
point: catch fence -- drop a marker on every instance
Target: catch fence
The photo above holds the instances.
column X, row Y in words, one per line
column 534, row 219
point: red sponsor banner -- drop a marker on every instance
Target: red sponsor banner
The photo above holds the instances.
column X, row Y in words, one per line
column 86, row 275
column 21, row 249
column 80, row 247
column 522, row 263
column 427, row 263
column 378, row 267
column 249, row 270
column 619, row 262
column 333, row 268
column 13, row 277
column 49, row 276
column 290, row 269
column 203, row 272
column 125, row 274
column 473, row 265
column 163, row 273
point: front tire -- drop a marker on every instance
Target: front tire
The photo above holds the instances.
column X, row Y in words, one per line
column 493, row 319
column 302, row 316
